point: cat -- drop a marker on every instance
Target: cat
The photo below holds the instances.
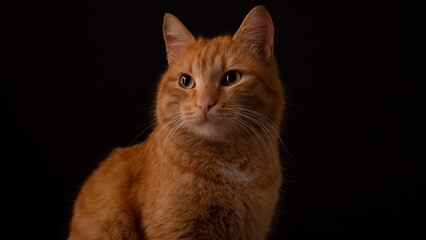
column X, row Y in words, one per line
column 210, row 169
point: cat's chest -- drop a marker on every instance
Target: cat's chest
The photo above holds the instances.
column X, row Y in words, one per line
column 210, row 189
column 217, row 165
column 201, row 196
column 200, row 208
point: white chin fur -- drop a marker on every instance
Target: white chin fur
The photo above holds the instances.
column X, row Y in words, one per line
column 209, row 130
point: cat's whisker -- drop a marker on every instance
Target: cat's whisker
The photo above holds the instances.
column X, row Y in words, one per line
column 293, row 105
column 268, row 121
column 146, row 108
column 266, row 131
column 262, row 141
column 156, row 134
column 271, row 144
column 249, row 133
column 264, row 123
column 178, row 126
column 182, row 126
column 285, row 149
column 235, row 126
column 254, row 112
column 173, row 129
column 150, row 124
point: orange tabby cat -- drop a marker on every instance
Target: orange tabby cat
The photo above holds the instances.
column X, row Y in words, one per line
column 210, row 169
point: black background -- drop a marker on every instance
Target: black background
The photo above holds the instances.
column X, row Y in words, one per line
column 78, row 79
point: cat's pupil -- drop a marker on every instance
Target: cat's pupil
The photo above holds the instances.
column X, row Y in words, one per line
column 186, row 80
column 231, row 77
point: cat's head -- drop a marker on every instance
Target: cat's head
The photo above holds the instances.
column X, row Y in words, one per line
column 224, row 87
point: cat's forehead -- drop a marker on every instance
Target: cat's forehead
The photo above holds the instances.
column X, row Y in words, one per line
column 208, row 57
column 205, row 49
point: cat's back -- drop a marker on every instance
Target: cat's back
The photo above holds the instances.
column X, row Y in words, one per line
column 115, row 170
column 106, row 193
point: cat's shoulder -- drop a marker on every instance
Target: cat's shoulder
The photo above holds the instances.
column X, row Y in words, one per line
column 126, row 152
column 120, row 158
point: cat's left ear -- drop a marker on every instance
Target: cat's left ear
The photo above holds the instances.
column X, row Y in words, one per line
column 257, row 32
column 176, row 36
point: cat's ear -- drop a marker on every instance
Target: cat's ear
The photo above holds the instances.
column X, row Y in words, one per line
column 176, row 36
column 257, row 32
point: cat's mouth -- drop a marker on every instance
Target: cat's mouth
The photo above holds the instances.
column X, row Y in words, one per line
column 208, row 129
column 211, row 119
column 206, row 121
column 209, row 126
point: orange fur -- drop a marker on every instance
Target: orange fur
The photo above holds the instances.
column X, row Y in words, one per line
column 199, row 175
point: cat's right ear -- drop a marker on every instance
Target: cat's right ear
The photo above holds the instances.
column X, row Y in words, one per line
column 176, row 36
column 257, row 32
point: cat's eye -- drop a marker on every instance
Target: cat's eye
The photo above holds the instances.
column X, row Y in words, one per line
column 187, row 81
column 231, row 78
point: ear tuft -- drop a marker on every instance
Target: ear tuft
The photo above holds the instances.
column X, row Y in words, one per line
column 176, row 36
column 257, row 32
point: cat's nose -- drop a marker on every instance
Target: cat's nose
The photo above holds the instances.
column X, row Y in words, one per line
column 205, row 105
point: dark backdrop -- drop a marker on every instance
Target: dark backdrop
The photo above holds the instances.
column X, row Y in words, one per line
column 78, row 79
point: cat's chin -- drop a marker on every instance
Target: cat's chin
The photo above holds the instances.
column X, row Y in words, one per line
column 211, row 130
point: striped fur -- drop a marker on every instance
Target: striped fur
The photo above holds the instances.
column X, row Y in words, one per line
column 213, row 175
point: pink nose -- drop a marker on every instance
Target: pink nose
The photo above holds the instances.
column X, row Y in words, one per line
column 205, row 105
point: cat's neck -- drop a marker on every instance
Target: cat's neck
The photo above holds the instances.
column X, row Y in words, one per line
column 237, row 160
column 260, row 141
